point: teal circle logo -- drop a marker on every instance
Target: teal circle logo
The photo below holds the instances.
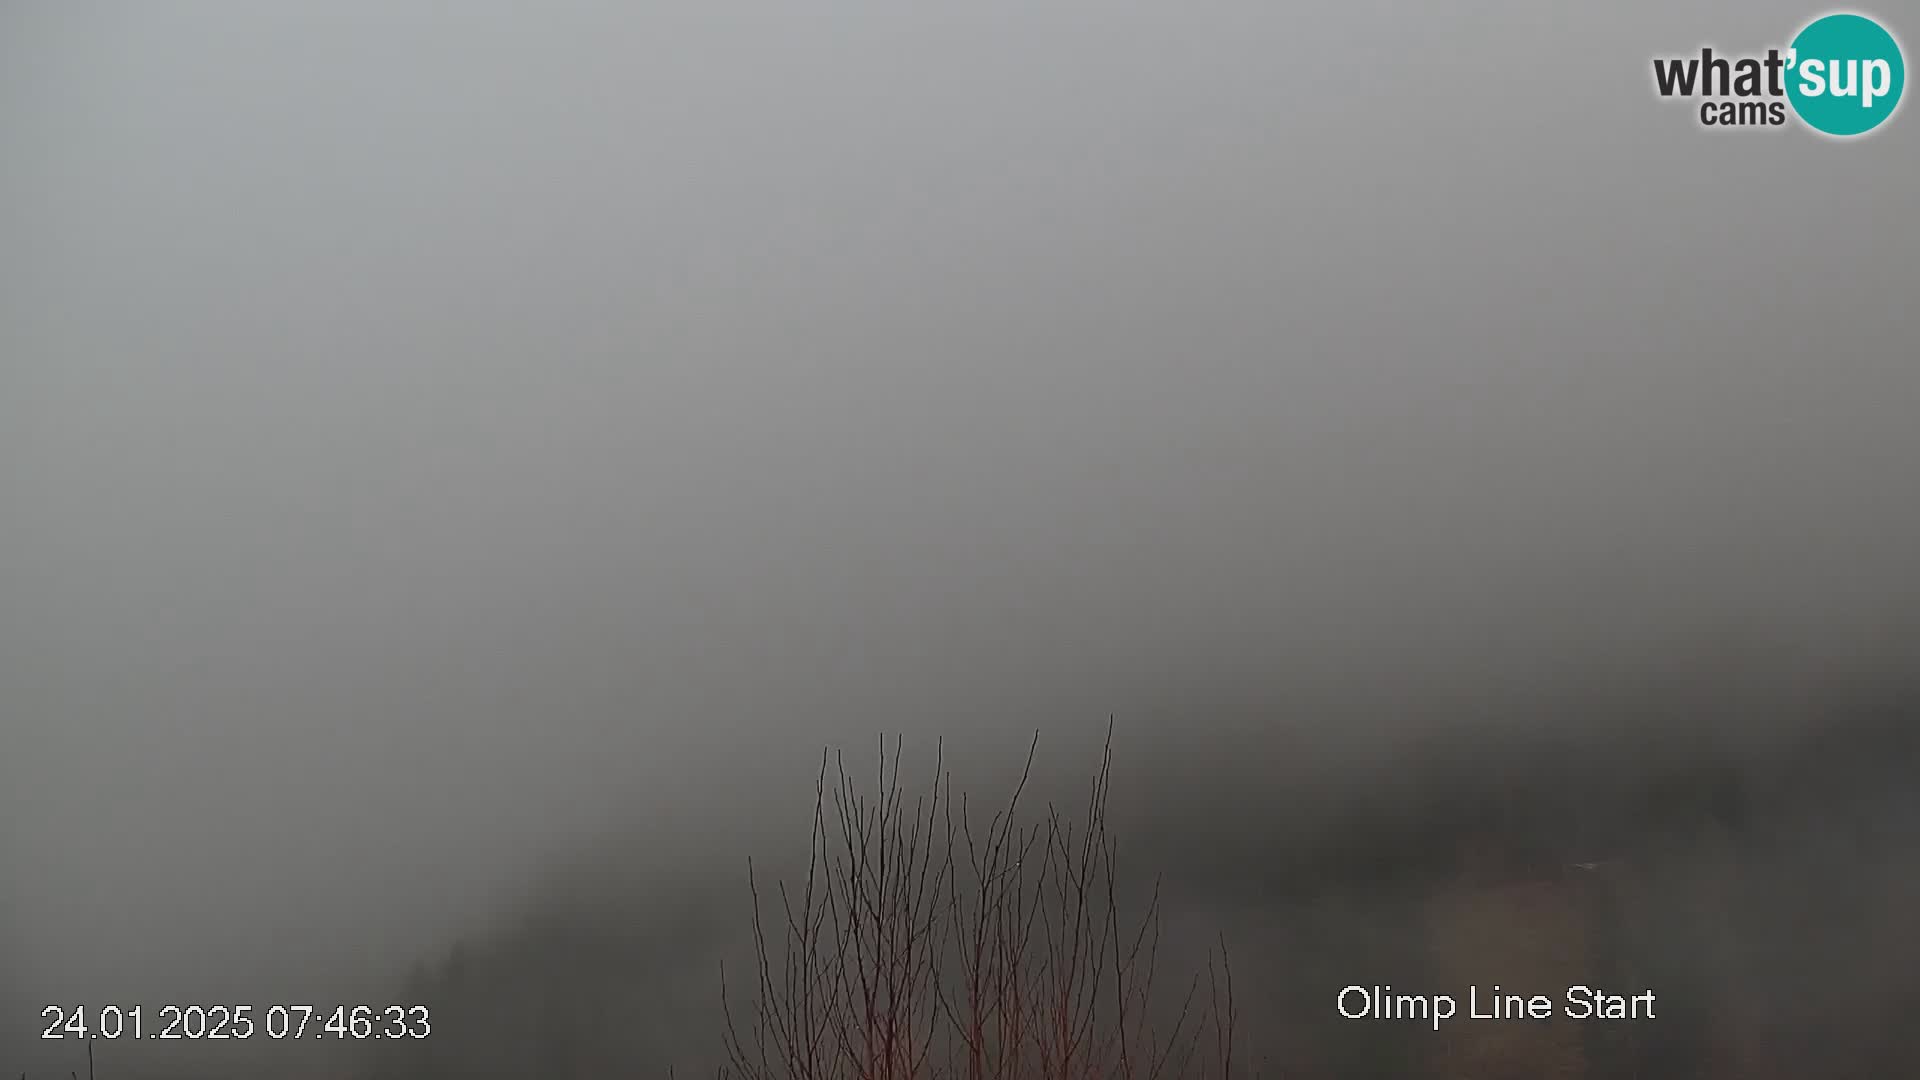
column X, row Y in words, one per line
column 1846, row 74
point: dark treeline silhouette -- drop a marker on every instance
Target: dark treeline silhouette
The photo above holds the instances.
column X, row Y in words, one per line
column 1762, row 884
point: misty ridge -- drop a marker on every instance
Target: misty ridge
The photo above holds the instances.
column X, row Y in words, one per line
column 1762, row 887
column 963, row 543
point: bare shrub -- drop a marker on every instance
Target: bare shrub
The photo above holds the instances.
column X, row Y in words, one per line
column 925, row 944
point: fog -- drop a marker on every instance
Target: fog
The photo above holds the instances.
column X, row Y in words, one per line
column 441, row 447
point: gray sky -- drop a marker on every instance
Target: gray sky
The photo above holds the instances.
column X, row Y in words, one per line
column 427, row 436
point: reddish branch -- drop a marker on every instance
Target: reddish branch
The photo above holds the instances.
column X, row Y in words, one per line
column 920, row 947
